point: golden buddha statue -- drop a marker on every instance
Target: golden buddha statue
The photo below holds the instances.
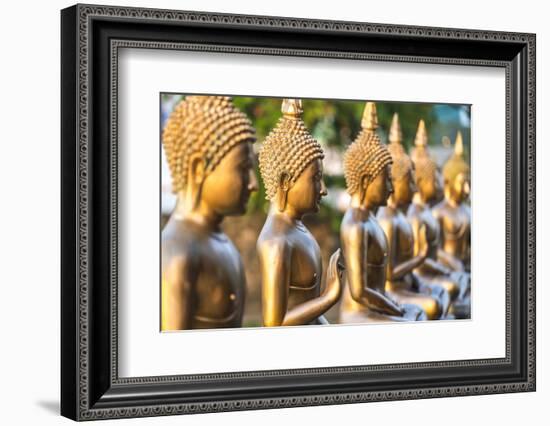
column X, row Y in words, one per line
column 426, row 228
column 453, row 213
column 290, row 259
column 402, row 260
column 208, row 145
column 364, row 245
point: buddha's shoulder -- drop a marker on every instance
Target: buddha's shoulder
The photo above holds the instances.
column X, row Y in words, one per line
column 414, row 211
column 273, row 244
column 386, row 214
column 440, row 208
column 277, row 228
column 186, row 235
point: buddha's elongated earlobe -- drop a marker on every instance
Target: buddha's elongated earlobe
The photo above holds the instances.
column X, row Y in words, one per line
column 282, row 191
column 363, row 188
column 196, row 178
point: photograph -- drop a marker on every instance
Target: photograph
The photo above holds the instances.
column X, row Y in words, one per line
column 285, row 211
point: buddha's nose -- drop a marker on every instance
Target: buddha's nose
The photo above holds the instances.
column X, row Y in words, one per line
column 467, row 188
column 323, row 188
column 252, row 182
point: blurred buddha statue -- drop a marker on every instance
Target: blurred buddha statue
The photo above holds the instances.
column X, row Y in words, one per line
column 290, row 259
column 402, row 260
column 426, row 228
column 208, row 145
column 453, row 213
column 365, row 247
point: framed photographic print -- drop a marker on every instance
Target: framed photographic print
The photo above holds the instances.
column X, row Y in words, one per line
column 263, row 212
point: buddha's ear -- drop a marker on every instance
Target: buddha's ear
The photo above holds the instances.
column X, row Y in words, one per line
column 195, row 177
column 196, row 171
column 363, row 186
column 282, row 190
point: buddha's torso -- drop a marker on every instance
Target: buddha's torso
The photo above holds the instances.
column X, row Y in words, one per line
column 375, row 256
column 305, row 258
column 220, row 282
column 423, row 215
column 401, row 246
column 455, row 229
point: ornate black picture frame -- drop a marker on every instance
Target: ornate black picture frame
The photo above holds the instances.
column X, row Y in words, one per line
column 90, row 39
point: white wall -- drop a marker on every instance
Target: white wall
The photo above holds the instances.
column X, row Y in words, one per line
column 29, row 212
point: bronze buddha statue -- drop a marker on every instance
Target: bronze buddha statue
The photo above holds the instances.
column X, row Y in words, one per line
column 290, row 259
column 364, row 245
column 426, row 228
column 402, row 258
column 453, row 213
column 208, row 145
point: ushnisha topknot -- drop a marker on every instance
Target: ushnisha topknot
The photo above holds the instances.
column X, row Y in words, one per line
column 207, row 125
column 366, row 156
column 402, row 164
column 456, row 164
column 289, row 148
column 424, row 164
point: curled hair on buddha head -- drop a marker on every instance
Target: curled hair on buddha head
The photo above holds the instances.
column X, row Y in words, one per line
column 425, row 166
column 456, row 164
column 206, row 125
column 402, row 164
column 288, row 149
column 366, row 156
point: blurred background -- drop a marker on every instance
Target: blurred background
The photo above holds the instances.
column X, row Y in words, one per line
column 334, row 123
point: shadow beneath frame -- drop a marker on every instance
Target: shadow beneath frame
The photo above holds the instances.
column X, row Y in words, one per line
column 50, row 406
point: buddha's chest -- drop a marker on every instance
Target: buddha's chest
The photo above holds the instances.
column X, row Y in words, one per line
column 455, row 224
column 404, row 239
column 220, row 283
column 377, row 247
column 431, row 227
column 306, row 264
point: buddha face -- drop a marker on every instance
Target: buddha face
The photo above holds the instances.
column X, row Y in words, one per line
column 459, row 188
column 404, row 189
column 304, row 196
column 379, row 190
column 227, row 188
column 430, row 189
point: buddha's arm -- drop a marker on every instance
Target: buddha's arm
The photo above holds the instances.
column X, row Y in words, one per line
column 397, row 271
column 451, row 261
column 275, row 259
column 177, row 294
column 356, row 243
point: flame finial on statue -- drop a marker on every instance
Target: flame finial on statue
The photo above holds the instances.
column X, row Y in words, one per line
column 421, row 138
column 370, row 117
column 292, row 108
column 456, row 164
column 402, row 164
column 396, row 135
column 459, row 145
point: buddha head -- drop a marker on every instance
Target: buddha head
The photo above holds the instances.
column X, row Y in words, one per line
column 367, row 163
column 208, row 145
column 291, row 163
column 427, row 175
column 402, row 167
column 456, row 174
